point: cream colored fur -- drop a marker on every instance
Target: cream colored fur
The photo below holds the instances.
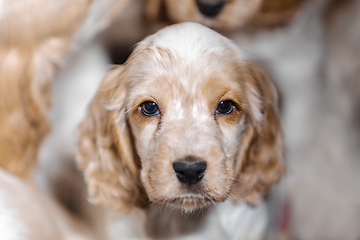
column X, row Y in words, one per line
column 127, row 158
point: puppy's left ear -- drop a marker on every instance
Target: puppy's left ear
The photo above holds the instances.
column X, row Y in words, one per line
column 260, row 161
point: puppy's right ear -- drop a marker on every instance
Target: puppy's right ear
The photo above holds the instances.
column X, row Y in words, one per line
column 105, row 148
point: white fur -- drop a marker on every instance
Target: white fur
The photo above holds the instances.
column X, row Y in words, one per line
column 226, row 221
column 27, row 213
column 1, row 7
column 195, row 40
column 11, row 225
column 19, row 206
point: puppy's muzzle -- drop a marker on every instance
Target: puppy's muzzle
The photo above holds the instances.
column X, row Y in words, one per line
column 210, row 8
column 189, row 173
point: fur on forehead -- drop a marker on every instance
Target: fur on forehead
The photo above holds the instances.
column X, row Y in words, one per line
column 187, row 49
column 182, row 48
column 189, row 41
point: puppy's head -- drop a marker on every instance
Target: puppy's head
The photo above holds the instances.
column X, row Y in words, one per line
column 187, row 121
column 225, row 14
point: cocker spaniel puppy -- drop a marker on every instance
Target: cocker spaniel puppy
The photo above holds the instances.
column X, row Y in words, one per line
column 187, row 122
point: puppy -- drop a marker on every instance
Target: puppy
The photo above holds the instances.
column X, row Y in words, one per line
column 188, row 122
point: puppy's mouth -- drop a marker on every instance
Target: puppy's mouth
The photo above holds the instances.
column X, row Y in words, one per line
column 189, row 202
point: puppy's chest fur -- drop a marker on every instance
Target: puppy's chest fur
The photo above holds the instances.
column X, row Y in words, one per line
column 223, row 221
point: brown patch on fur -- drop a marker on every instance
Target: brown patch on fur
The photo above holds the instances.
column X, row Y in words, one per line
column 220, row 93
column 232, row 118
column 260, row 161
column 138, row 116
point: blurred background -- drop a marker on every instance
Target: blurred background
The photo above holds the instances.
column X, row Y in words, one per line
column 311, row 51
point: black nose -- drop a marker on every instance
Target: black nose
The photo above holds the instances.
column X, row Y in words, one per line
column 209, row 9
column 189, row 173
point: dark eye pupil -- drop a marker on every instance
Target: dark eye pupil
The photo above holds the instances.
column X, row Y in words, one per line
column 149, row 108
column 225, row 107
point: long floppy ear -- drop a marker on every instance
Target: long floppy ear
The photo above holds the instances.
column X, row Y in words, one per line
column 106, row 151
column 260, row 160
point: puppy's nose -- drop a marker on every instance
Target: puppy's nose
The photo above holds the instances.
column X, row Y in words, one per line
column 189, row 173
column 210, row 8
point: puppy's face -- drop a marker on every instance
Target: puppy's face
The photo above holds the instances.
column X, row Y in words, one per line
column 218, row 14
column 187, row 122
column 200, row 118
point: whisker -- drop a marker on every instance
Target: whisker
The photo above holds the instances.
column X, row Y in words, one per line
column 214, row 203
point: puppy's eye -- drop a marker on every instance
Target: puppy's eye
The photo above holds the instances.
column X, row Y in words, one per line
column 149, row 108
column 225, row 107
